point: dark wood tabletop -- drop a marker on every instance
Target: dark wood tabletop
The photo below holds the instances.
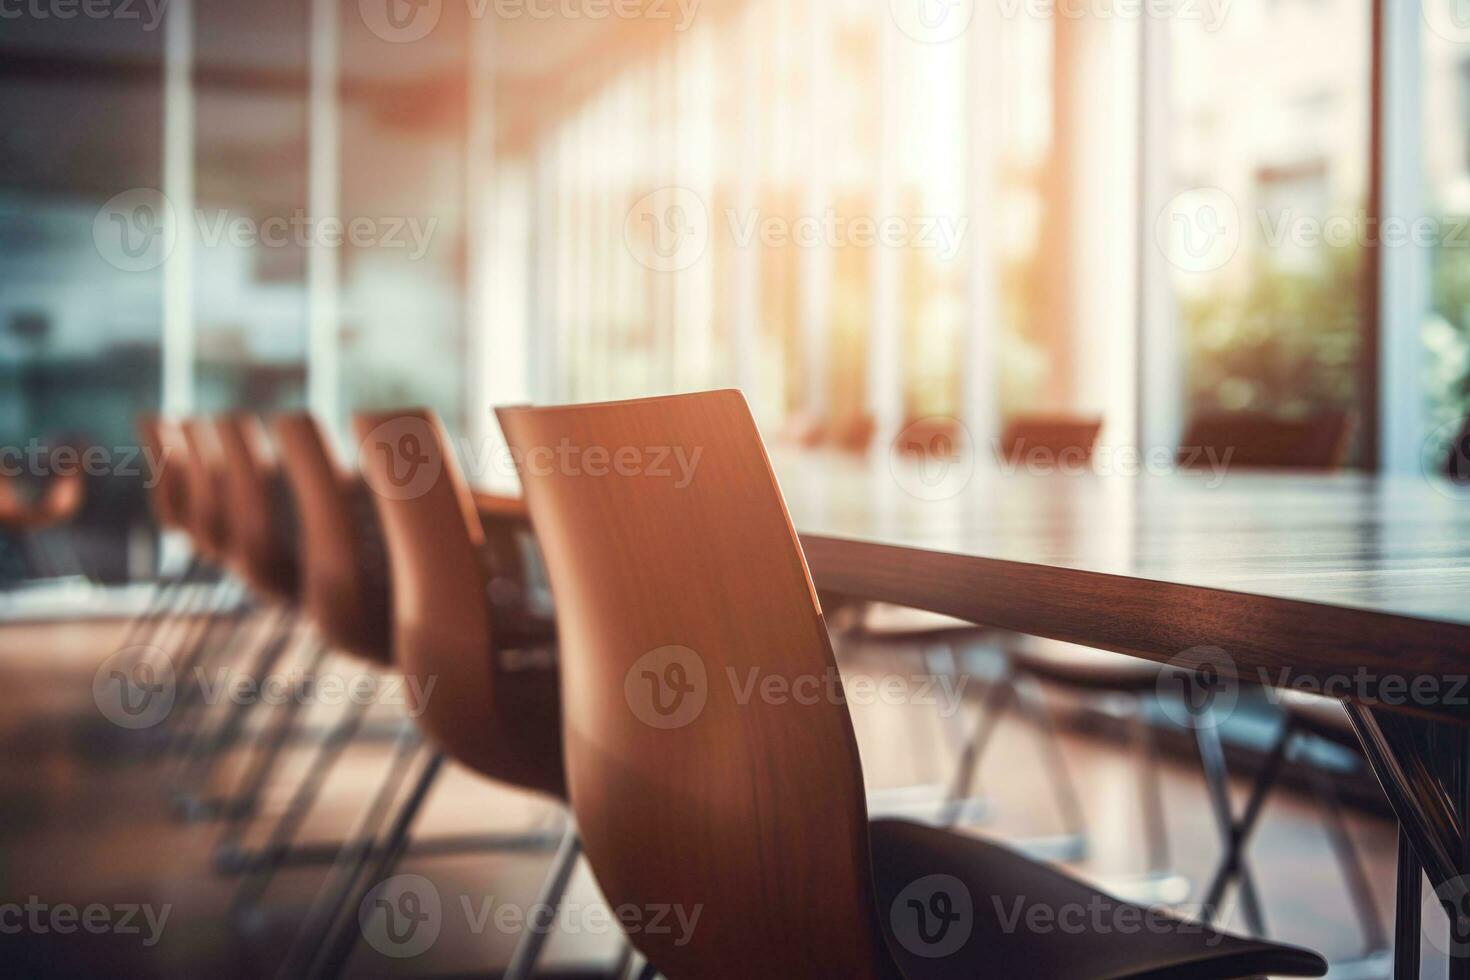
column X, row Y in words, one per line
column 1318, row 574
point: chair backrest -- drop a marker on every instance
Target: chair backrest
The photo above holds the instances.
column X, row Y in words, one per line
column 685, row 610
column 479, row 711
column 261, row 525
column 159, row 441
column 852, row 433
column 1059, row 438
column 62, row 498
column 344, row 566
column 1257, row 441
column 59, row 499
column 204, row 470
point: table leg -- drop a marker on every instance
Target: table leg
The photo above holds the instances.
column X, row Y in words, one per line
column 1406, row 912
column 1423, row 765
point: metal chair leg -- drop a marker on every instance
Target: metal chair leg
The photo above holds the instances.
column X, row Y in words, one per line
column 260, row 867
column 341, row 940
column 1033, row 702
column 198, row 766
column 244, row 802
column 553, row 890
column 218, row 612
column 354, row 854
column 1360, row 886
column 1233, row 833
column 1151, row 794
column 1407, row 910
column 998, row 696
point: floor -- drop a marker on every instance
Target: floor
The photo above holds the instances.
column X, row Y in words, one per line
column 114, row 882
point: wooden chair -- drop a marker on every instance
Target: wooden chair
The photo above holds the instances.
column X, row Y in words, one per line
column 344, row 561
column 494, row 704
column 345, row 592
column 1063, row 439
column 1257, row 441
column 247, row 525
column 752, row 809
column 42, row 522
column 263, row 527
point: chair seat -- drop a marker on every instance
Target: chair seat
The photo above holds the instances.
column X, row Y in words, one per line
column 1072, row 665
column 1030, row 920
column 1319, row 715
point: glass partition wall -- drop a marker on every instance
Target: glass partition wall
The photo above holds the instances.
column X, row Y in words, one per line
column 858, row 215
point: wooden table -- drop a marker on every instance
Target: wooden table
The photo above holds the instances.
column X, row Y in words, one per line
column 1353, row 584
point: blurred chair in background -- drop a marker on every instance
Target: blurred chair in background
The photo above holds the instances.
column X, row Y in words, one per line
column 1308, row 719
column 1255, row 441
column 493, row 702
column 945, row 642
column 346, row 594
column 1251, row 442
column 1058, row 439
column 37, row 511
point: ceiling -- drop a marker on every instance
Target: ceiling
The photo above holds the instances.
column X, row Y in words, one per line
column 81, row 99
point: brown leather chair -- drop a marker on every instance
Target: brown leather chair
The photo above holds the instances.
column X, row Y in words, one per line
column 1258, row 441
column 753, row 809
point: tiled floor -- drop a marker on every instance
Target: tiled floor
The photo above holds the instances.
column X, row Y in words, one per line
column 84, row 820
